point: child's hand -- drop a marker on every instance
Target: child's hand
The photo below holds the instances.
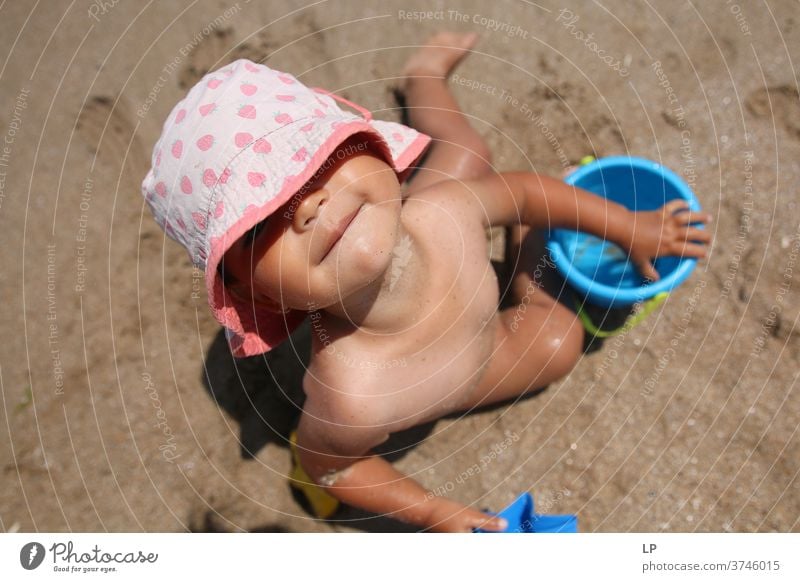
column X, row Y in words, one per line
column 666, row 231
column 450, row 516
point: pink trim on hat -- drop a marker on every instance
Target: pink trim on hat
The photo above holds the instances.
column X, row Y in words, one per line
column 411, row 154
column 365, row 113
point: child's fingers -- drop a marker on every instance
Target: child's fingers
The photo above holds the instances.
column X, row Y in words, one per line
column 698, row 234
column 491, row 524
column 675, row 205
column 685, row 218
column 691, row 250
column 647, row 269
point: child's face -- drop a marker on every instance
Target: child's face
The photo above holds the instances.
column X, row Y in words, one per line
column 294, row 258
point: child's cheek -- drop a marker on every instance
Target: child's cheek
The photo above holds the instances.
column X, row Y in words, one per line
column 370, row 249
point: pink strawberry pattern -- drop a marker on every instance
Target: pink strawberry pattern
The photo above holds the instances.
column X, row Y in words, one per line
column 247, row 112
column 209, row 177
column 242, row 138
column 199, row 220
column 255, row 179
column 219, row 209
column 207, row 108
column 186, row 185
column 177, row 149
column 262, row 146
column 205, row 142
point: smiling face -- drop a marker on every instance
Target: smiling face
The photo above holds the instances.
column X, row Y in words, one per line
column 331, row 239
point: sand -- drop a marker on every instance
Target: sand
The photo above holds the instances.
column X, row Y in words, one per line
column 122, row 408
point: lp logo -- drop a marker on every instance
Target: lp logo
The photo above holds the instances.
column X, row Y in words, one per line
column 31, row 555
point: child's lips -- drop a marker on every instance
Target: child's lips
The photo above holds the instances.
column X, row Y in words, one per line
column 338, row 231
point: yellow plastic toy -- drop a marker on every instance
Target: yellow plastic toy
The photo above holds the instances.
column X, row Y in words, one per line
column 323, row 504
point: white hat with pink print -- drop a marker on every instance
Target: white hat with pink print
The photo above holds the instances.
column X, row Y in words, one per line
column 233, row 151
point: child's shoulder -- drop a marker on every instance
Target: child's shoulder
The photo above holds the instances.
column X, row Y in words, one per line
column 448, row 195
column 343, row 388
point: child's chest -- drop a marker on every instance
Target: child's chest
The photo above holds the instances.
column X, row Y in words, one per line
column 431, row 367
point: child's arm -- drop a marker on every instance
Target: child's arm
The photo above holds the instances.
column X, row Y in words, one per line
column 340, row 461
column 540, row 201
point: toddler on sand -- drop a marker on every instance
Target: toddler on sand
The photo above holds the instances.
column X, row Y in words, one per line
column 295, row 208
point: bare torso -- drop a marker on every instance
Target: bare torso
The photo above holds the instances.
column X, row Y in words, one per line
column 425, row 370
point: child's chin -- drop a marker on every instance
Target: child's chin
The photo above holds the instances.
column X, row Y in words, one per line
column 363, row 260
column 365, row 251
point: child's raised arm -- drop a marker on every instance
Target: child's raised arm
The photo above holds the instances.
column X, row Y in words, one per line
column 543, row 202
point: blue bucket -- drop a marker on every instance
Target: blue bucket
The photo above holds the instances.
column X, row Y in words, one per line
column 600, row 270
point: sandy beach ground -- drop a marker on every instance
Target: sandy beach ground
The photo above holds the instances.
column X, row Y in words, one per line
column 122, row 409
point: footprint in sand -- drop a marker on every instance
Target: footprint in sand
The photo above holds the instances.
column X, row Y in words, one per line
column 217, row 50
column 109, row 131
column 306, row 45
column 105, row 123
column 781, row 104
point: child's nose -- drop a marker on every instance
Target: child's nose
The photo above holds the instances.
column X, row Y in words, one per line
column 310, row 208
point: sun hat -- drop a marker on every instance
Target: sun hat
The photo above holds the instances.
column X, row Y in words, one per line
column 243, row 141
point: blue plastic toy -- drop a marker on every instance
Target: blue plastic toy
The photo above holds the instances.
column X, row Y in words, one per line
column 522, row 519
column 599, row 270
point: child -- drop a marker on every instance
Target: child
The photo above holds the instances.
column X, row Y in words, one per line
column 296, row 208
